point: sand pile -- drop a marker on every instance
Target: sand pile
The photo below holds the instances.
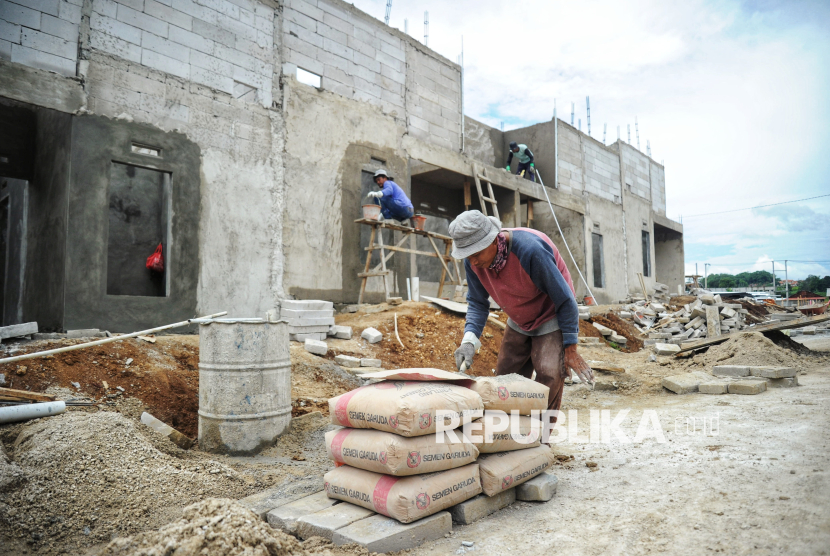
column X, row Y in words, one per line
column 87, row 477
column 219, row 527
column 751, row 348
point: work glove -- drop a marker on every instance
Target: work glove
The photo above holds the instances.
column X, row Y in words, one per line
column 508, row 168
column 376, row 194
column 466, row 351
column 532, row 168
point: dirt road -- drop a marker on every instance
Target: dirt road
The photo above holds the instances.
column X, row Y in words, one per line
column 761, row 485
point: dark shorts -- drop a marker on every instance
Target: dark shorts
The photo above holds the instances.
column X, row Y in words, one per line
column 522, row 354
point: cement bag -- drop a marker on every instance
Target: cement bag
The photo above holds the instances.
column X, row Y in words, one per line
column 405, row 408
column 416, row 374
column 507, row 469
column 509, row 392
column 489, row 442
column 386, row 452
column 403, row 498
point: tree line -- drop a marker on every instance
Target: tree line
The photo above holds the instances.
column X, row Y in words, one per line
column 762, row 278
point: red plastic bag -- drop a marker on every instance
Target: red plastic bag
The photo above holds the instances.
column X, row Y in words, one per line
column 156, row 260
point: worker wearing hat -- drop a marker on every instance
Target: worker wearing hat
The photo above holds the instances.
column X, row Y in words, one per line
column 394, row 204
column 525, row 158
column 522, row 270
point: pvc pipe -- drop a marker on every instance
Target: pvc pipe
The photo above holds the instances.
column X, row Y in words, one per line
column 107, row 340
column 30, row 411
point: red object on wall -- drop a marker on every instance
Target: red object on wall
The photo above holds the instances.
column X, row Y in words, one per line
column 155, row 261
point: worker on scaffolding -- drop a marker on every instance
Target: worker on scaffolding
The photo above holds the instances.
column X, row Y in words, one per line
column 394, row 204
column 522, row 270
column 525, row 160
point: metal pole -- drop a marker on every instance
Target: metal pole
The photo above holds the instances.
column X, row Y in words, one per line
column 786, row 280
column 426, row 28
column 588, row 106
column 618, row 133
column 555, row 149
column 604, row 132
column 462, row 93
column 572, row 113
column 706, row 276
column 406, row 26
column 637, row 131
column 388, row 10
column 696, row 284
column 629, row 133
column 107, row 340
column 773, row 280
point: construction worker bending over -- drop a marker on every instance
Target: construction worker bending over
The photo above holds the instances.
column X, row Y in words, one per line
column 523, row 272
column 394, row 204
column 525, row 160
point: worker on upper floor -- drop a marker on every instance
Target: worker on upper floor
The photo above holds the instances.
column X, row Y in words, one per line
column 394, row 204
column 525, row 160
column 522, row 270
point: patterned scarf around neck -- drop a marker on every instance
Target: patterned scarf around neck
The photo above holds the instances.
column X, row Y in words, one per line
column 501, row 253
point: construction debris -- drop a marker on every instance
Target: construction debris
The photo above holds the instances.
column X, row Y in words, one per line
column 371, row 335
column 164, row 429
column 18, row 330
column 316, row 347
column 8, row 394
column 308, row 319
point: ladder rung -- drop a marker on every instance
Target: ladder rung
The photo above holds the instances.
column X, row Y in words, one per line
column 369, row 274
column 488, row 199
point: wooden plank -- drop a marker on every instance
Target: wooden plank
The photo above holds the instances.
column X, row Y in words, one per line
column 405, row 229
column 605, row 366
column 368, row 264
column 480, row 194
column 786, row 325
column 468, row 199
column 383, row 265
column 25, row 395
column 497, row 323
column 389, row 256
column 370, row 274
column 406, row 250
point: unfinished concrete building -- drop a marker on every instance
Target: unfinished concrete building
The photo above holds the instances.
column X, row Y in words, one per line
column 132, row 123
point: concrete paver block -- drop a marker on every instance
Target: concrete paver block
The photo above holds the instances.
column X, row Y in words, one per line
column 372, row 335
column 285, row 517
column 666, row 349
column 48, row 336
column 83, row 333
column 303, row 321
column 481, row 506
column 371, row 362
column 538, row 489
column 686, row 383
column 325, row 522
column 730, row 370
column 306, row 305
column 290, row 314
column 809, row 330
column 713, row 387
column 25, row 329
column 789, row 382
column 316, row 347
column 772, row 372
column 263, row 502
column 384, row 534
column 617, row 339
column 747, row 387
column 340, row 332
column 320, row 336
column 347, row 361
column 319, row 329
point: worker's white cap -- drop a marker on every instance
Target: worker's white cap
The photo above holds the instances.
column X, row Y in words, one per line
column 383, row 173
column 472, row 232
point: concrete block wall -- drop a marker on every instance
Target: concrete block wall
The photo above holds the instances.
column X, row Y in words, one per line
column 483, row 143
column 658, row 188
column 360, row 58
column 602, row 170
column 41, row 33
column 570, row 160
column 225, row 45
column 637, row 178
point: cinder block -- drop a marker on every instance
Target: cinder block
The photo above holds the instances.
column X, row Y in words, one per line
column 747, row 387
column 772, row 372
column 165, row 63
column 306, row 305
column 82, row 333
column 782, row 382
column 325, row 522
column 666, row 349
column 384, row 534
column 538, row 489
column 302, row 337
column 115, row 28
column 730, row 370
column 166, row 13
column 326, row 322
column 371, row 335
column 285, row 517
column 15, row 13
column 299, row 314
column 263, row 502
column 48, row 336
column 481, row 506
column 371, row 362
column 713, row 387
column 659, row 335
column 686, row 383
column 809, row 330
column 142, row 21
column 308, row 329
column 316, row 347
column 15, row 330
column 57, row 27
column 347, row 361
column 340, row 332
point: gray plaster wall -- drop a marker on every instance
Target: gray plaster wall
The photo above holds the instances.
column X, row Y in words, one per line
column 483, row 143
column 669, row 257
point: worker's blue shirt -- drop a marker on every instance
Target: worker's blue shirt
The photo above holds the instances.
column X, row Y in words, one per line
column 394, row 203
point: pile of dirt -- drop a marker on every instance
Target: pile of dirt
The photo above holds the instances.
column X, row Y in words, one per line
column 86, row 477
column 752, row 348
column 164, row 375
column 623, row 328
column 586, row 329
column 220, row 527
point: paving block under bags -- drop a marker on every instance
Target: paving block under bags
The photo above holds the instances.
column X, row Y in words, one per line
column 404, row 408
column 529, row 434
column 389, row 453
column 403, row 498
column 509, row 392
column 508, row 469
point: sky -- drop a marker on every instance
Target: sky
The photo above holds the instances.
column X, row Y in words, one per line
column 734, row 98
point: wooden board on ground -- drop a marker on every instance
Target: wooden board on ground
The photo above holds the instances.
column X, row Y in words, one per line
column 605, row 366
column 454, row 306
column 14, row 395
column 786, row 325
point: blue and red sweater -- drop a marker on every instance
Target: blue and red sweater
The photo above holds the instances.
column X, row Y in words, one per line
column 533, row 288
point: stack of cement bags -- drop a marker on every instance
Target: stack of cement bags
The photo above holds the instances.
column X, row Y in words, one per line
column 515, row 454
column 388, row 457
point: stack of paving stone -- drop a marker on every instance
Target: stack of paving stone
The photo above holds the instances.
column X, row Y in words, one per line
column 308, row 319
column 706, row 317
column 733, row 379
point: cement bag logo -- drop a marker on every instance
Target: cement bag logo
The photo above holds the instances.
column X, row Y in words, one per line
column 506, row 482
column 503, row 393
column 413, row 460
column 422, row 501
column 425, row 421
column 382, row 458
column 393, row 421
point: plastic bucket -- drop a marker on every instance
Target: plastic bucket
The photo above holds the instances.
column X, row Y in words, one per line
column 418, row 221
column 371, row 212
column 590, row 300
column 244, row 385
